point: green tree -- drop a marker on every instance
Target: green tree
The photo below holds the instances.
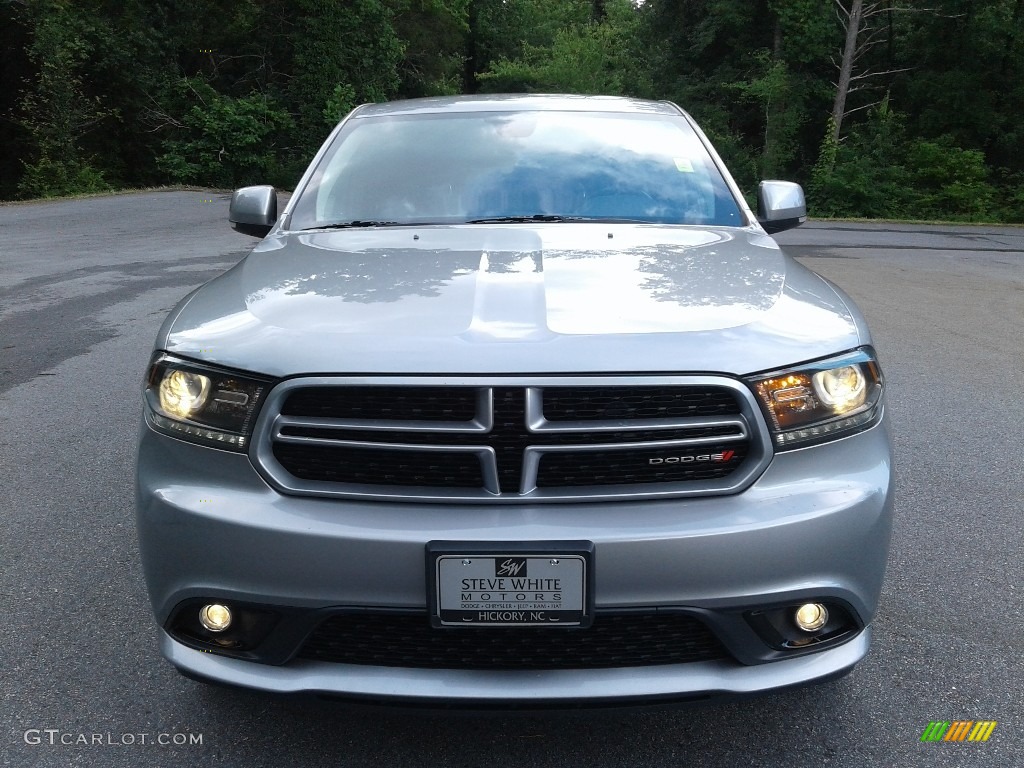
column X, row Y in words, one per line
column 772, row 89
column 226, row 141
column 433, row 35
column 969, row 74
column 56, row 111
column 100, row 92
column 595, row 57
column 703, row 53
column 514, row 31
column 865, row 175
column 15, row 70
column 352, row 45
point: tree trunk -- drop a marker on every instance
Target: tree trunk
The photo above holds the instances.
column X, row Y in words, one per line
column 846, row 67
column 469, row 66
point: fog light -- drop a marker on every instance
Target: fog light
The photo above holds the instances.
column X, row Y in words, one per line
column 811, row 617
column 215, row 617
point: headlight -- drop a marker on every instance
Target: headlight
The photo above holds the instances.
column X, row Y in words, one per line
column 201, row 403
column 182, row 393
column 822, row 401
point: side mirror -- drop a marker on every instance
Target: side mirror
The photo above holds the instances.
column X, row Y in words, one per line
column 780, row 206
column 253, row 210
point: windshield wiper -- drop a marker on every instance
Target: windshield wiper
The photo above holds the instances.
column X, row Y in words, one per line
column 526, row 219
column 353, row 224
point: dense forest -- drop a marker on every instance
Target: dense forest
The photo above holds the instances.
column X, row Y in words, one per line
column 881, row 108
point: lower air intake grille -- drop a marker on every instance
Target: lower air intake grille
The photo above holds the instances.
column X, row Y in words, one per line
column 613, row 640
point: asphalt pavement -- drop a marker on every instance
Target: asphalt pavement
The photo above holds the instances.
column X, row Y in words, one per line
column 84, row 286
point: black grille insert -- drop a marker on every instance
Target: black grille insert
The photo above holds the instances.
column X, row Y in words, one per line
column 646, row 465
column 635, row 403
column 387, row 403
column 613, row 640
column 375, row 466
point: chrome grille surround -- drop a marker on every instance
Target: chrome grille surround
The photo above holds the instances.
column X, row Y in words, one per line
column 746, row 428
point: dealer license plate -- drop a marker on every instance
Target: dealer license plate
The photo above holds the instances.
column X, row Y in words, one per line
column 509, row 588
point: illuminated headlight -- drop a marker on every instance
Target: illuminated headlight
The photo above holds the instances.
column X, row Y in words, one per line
column 183, row 393
column 822, row 401
column 202, row 404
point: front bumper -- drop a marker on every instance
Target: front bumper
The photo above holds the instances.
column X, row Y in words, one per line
column 817, row 523
column 699, row 681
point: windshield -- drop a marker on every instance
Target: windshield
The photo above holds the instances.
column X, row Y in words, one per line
column 514, row 166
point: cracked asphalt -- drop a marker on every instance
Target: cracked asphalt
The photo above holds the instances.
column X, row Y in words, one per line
column 84, row 286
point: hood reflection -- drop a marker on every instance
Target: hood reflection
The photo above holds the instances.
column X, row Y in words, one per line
column 515, row 298
column 620, row 284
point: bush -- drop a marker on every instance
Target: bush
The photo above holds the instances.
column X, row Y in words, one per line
column 226, row 141
column 947, row 182
column 1010, row 197
column 862, row 175
column 54, row 178
column 877, row 172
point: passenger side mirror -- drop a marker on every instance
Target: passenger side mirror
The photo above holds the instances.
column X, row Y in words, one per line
column 253, row 210
column 780, row 206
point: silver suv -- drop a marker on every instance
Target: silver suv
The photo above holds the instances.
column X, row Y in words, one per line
column 516, row 404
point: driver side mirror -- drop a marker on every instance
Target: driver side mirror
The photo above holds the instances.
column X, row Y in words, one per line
column 780, row 206
column 253, row 210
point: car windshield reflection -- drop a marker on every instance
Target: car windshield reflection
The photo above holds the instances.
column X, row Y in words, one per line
column 526, row 167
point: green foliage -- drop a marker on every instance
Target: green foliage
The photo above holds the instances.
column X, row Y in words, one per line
column 576, row 62
column 433, row 35
column 225, row 141
column 864, row 175
column 949, row 182
column 592, row 57
column 341, row 101
column 1009, row 205
column 508, row 29
column 56, row 111
column 738, row 155
column 879, row 172
column 807, row 30
column 772, row 89
column 352, row 45
column 227, row 92
column 48, row 177
column 824, row 168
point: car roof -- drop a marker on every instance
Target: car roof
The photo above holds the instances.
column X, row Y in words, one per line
column 513, row 102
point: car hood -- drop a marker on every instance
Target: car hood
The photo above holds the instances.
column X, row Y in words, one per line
column 553, row 298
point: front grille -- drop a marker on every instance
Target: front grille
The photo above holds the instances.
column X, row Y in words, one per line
column 478, row 441
column 613, row 640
